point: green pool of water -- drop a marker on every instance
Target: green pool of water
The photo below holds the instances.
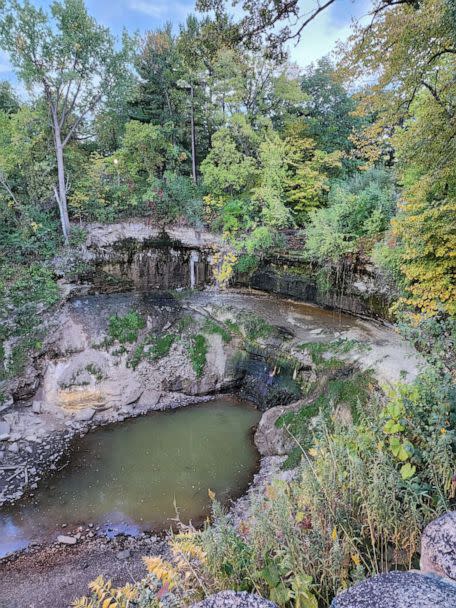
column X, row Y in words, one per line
column 132, row 476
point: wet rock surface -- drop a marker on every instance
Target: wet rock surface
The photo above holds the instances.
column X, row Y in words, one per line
column 399, row 590
column 363, row 291
column 231, row 599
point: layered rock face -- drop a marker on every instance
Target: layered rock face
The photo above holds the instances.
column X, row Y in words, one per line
column 88, row 372
column 361, row 292
column 138, row 256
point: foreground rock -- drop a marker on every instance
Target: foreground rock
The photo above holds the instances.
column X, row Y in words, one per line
column 438, row 547
column 231, row 599
column 399, row 590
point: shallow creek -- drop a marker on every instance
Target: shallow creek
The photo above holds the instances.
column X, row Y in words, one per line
column 132, row 476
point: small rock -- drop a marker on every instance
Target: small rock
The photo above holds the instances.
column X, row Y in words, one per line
column 4, row 437
column 5, row 428
column 85, row 415
column 14, row 448
column 66, row 540
column 124, row 554
column 37, row 407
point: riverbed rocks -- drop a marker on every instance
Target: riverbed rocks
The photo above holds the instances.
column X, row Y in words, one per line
column 399, row 590
column 66, row 540
column 231, row 599
column 438, row 547
column 5, row 429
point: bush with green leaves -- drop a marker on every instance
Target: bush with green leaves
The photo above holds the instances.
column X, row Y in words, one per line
column 25, row 293
column 125, row 329
column 360, row 206
column 177, row 197
column 197, row 352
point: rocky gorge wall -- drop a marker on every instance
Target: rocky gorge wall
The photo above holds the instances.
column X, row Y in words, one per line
column 360, row 290
column 136, row 256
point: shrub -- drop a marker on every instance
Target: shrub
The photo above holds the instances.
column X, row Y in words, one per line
column 197, row 352
column 161, row 346
column 350, row 510
column 212, row 327
column 125, row 329
column 361, row 206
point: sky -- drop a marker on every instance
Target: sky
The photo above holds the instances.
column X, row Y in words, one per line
column 318, row 38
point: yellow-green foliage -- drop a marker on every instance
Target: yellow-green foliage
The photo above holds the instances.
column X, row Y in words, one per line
column 426, row 222
column 104, row 595
column 416, row 90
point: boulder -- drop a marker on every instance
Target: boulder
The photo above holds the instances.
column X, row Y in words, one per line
column 398, row 590
column 149, row 398
column 270, row 439
column 231, row 599
column 438, row 546
column 5, row 428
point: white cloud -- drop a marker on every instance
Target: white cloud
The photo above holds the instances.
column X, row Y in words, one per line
column 318, row 39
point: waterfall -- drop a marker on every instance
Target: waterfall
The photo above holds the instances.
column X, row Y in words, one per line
column 194, row 259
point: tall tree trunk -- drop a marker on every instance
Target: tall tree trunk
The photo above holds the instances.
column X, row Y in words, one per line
column 60, row 190
column 192, row 122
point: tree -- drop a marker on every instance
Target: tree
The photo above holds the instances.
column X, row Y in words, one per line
column 71, row 61
column 159, row 99
column 426, row 222
column 273, row 174
column 309, row 175
column 9, row 101
column 413, row 100
column 329, row 109
column 273, row 23
column 227, row 170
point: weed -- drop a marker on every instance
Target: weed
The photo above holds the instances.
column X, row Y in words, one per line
column 125, row 329
column 212, row 327
column 197, row 353
column 95, row 371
